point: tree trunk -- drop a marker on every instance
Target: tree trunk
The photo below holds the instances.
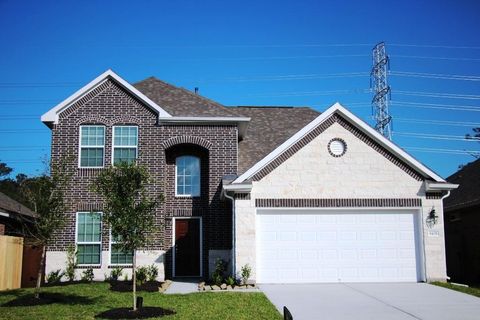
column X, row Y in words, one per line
column 40, row 273
column 134, row 279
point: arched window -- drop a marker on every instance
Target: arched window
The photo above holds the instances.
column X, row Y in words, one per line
column 187, row 180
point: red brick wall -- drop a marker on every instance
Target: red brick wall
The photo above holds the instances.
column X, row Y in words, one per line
column 110, row 105
column 2, row 229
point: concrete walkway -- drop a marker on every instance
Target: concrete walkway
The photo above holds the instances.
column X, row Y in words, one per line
column 182, row 286
column 395, row 301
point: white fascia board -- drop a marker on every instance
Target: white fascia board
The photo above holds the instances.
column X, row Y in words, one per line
column 438, row 186
column 337, row 107
column 51, row 116
column 204, row 119
column 4, row 214
column 239, row 187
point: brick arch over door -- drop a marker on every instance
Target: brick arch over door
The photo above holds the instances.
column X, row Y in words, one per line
column 187, row 140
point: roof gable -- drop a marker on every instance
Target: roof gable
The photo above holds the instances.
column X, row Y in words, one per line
column 318, row 125
column 52, row 116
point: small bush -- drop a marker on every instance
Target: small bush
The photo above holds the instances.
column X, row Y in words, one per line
column 71, row 263
column 219, row 273
column 245, row 272
column 230, row 281
column 87, row 275
column 141, row 275
column 152, row 272
column 116, row 273
column 54, row 276
column 125, row 277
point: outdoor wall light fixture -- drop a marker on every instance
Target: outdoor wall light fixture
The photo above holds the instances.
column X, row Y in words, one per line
column 432, row 217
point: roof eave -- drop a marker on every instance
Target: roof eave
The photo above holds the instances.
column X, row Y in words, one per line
column 432, row 186
column 363, row 126
column 241, row 122
column 51, row 117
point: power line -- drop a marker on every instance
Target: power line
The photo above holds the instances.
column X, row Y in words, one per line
column 438, row 95
column 439, row 150
column 436, row 58
column 435, row 76
column 432, row 46
column 435, row 136
column 311, row 93
column 407, row 104
column 439, row 122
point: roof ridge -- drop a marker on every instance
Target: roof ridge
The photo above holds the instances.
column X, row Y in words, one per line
column 188, row 92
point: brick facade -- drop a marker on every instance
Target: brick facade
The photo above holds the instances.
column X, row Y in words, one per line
column 158, row 145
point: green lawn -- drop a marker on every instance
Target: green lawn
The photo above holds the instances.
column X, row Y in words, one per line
column 96, row 297
column 468, row 290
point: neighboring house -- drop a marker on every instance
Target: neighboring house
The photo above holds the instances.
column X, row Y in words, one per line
column 462, row 225
column 14, row 217
column 298, row 195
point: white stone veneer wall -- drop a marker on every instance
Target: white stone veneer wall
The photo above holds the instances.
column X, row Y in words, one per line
column 57, row 260
column 361, row 172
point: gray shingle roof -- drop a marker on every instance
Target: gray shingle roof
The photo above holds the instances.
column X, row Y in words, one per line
column 8, row 205
column 269, row 127
column 181, row 102
column 468, row 193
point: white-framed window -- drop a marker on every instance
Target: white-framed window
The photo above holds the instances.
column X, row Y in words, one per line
column 89, row 238
column 125, row 144
column 187, row 176
column 117, row 255
column 92, row 146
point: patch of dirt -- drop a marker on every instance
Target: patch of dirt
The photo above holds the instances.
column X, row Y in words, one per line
column 141, row 313
column 126, row 286
column 47, row 298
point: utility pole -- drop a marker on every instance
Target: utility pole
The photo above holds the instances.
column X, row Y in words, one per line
column 381, row 90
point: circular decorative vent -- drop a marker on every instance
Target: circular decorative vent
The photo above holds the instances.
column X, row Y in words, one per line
column 337, row 147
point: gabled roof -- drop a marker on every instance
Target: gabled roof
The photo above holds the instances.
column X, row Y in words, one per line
column 180, row 102
column 269, row 127
column 51, row 117
column 359, row 124
column 468, row 193
column 10, row 206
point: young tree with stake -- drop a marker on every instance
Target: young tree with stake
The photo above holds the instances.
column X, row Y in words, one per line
column 129, row 211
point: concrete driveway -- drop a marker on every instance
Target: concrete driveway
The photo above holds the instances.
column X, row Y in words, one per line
column 396, row 301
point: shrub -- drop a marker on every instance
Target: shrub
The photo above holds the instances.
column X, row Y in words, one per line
column 87, row 275
column 230, row 281
column 245, row 272
column 71, row 263
column 141, row 275
column 152, row 272
column 116, row 273
column 125, row 277
column 54, row 276
column 218, row 274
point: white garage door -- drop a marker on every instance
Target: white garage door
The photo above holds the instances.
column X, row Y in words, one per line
column 296, row 246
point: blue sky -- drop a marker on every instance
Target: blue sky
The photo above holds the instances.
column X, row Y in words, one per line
column 301, row 53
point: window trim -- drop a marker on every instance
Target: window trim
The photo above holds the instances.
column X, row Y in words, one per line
column 199, row 177
column 110, row 242
column 80, row 145
column 89, row 242
column 124, row 147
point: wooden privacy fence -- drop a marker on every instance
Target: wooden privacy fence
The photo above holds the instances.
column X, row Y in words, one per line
column 11, row 250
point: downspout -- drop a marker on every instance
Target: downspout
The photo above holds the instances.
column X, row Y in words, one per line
column 443, row 217
column 233, row 232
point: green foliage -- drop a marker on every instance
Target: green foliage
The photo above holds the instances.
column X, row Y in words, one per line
column 125, row 277
column 71, row 263
column 54, row 276
column 141, row 274
column 116, row 273
column 219, row 273
column 4, row 170
column 152, row 272
column 230, row 281
column 129, row 211
column 87, row 275
column 245, row 272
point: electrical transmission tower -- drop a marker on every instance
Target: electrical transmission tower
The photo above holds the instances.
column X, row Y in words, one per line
column 381, row 89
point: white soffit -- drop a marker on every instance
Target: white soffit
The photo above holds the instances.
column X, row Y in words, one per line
column 52, row 115
column 360, row 124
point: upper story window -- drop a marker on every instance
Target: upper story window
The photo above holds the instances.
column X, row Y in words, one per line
column 89, row 237
column 187, row 176
column 125, row 144
column 92, row 146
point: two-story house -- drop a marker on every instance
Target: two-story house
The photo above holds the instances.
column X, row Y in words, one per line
column 298, row 195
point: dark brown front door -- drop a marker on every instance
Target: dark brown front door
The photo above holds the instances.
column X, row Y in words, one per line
column 187, row 247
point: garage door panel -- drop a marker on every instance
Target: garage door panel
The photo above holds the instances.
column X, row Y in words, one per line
column 332, row 247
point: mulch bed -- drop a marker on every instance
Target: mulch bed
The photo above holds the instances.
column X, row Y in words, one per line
column 126, row 286
column 47, row 298
column 141, row 313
